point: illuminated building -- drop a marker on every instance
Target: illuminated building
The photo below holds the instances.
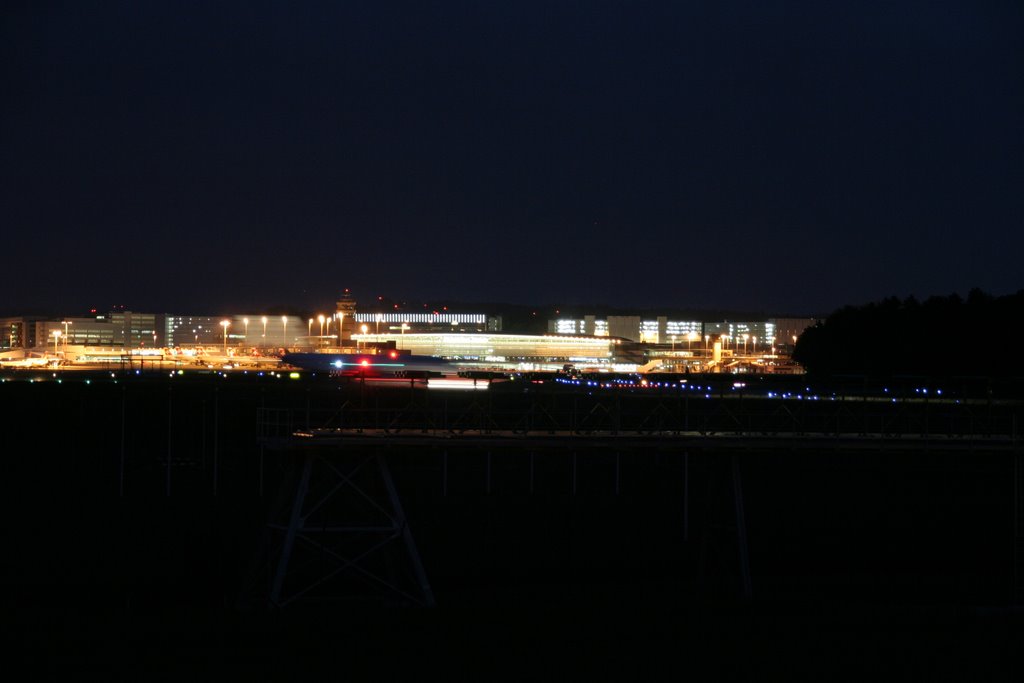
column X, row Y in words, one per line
column 506, row 350
column 431, row 322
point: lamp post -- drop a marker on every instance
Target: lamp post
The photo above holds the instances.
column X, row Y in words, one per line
column 56, row 338
column 364, row 328
column 673, row 338
column 264, row 319
column 284, row 331
column 378, row 324
column 321, row 319
column 245, row 321
column 225, row 324
column 405, row 326
column 328, row 320
column 753, row 346
column 309, row 328
column 65, row 323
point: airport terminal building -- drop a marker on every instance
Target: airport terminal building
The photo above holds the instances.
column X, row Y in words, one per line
column 510, row 351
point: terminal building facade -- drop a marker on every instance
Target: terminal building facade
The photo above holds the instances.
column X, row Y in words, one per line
column 428, row 322
column 664, row 330
column 510, row 351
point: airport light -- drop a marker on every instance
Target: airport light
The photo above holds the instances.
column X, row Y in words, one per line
column 56, row 338
column 328, row 319
column 341, row 325
column 225, row 324
column 320, row 318
column 378, row 324
column 65, row 323
column 264, row 319
column 754, row 345
column 673, row 338
column 309, row 328
column 245, row 321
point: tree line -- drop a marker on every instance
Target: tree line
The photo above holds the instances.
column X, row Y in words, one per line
column 941, row 336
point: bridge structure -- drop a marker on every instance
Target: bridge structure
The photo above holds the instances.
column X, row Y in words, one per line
column 340, row 529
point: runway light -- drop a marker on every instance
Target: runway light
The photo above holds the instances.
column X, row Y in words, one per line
column 294, row 375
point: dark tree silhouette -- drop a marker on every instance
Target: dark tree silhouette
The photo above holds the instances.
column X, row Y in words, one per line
column 943, row 336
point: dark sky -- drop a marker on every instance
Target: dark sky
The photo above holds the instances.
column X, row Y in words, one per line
column 784, row 156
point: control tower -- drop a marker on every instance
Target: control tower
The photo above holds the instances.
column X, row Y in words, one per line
column 346, row 308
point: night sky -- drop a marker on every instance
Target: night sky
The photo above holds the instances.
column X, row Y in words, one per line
column 781, row 156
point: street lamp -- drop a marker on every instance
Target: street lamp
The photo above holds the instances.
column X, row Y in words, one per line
column 264, row 319
column 321, row 319
column 245, row 321
column 341, row 325
column 364, row 328
column 225, row 324
column 65, row 323
column 56, row 337
column 284, row 330
column 378, row 324
column 753, row 347
column 673, row 337
column 309, row 328
column 405, row 326
column 329, row 319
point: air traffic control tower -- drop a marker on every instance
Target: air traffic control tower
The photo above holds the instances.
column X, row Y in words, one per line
column 346, row 318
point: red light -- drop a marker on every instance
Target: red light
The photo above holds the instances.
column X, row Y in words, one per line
column 364, row 362
column 393, row 354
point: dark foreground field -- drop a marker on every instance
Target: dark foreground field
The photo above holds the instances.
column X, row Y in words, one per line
column 138, row 514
